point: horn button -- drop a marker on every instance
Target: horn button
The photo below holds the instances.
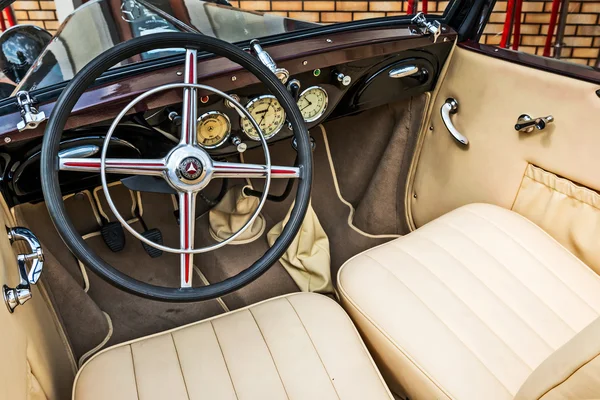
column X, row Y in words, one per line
column 189, row 168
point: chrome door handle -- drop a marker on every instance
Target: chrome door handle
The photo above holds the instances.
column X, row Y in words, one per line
column 402, row 72
column 17, row 296
column 451, row 107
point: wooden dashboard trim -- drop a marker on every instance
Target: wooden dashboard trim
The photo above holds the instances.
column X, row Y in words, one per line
column 101, row 102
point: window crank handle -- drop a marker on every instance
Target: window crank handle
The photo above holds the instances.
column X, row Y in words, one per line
column 526, row 124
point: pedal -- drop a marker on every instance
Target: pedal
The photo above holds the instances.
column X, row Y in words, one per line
column 154, row 235
column 114, row 236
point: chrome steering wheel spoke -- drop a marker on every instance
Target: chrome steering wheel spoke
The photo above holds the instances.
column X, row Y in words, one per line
column 190, row 100
column 187, row 224
column 125, row 166
column 241, row 170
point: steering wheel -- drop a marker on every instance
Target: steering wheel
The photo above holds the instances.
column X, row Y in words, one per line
column 187, row 167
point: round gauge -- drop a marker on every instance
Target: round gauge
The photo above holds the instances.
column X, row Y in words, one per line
column 313, row 103
column 269, row 115
column 212, row 129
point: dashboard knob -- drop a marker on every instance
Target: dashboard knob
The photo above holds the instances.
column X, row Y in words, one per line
column 342, row 79
column 293, row 87
column 239, row 145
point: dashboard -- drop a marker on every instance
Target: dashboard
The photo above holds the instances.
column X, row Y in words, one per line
column 329, row 77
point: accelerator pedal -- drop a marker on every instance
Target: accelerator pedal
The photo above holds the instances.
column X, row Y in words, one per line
column 154, row 235
column 114, row 236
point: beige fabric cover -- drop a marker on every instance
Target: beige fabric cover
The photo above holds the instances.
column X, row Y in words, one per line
column 568, row 212
column 232, row 212
column 299, row 346
column 307, row 260
column 468, row 305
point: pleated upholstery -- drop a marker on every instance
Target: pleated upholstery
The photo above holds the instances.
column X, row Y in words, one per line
column 300, row 346
column 467, row 306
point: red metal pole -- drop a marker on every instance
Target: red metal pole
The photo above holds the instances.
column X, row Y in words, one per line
column 517, row 34
column 2, row 24
column 551, row 27
column 10, row 17
column 410, row 7
column 424, row 5
column 507, row 23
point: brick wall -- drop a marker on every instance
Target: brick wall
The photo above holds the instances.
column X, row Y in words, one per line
column 582, row 33
column 41, row 13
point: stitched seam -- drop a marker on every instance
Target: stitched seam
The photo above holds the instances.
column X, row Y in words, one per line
column 488, row 287
column 509, row 272
column 568, row 182
column 314, row 347
column 535, row 257
column 466, row 305
column 568, row 377
column 224, row 360
column 512, row 206
column 270, row 353
column 439, row 319
column 137, row 390
column 180, row 366
column 391, row 340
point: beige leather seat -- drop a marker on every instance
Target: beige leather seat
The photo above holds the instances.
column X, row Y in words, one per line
column 300, row 346
column 478, row 304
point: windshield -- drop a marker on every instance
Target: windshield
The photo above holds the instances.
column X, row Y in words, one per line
column 101, row 24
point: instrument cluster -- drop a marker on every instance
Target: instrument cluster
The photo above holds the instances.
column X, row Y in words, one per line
column 215, row 127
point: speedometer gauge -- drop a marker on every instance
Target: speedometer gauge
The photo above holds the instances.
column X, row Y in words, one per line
column 212, row 129
column 269, row 115
column 313, row 103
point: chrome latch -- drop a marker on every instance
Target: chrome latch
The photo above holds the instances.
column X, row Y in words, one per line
column 30, row 116
column 14, row 297
column 281, row 73
column 526, row 124
column 434, row 27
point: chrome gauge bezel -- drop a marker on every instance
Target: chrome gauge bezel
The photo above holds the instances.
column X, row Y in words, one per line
column 225, row 137
column 276, row 131
column 319, row 115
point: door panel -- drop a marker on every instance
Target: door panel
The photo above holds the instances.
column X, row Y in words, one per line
column 492, row 93
column 35, row 361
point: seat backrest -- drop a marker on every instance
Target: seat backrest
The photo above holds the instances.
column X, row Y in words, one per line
column 36, row 361
column 571, row 372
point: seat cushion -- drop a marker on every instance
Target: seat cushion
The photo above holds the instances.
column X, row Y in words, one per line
column 299, row 346
column 468, row 305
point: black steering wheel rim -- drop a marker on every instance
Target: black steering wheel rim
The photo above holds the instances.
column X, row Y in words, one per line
column 49, row 165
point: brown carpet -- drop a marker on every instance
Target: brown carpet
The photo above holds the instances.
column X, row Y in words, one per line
column 370, row 151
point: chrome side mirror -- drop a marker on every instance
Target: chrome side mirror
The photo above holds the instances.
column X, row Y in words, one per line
column 14, row 297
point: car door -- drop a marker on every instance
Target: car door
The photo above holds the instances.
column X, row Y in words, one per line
column 35, row 361
column 550, row 175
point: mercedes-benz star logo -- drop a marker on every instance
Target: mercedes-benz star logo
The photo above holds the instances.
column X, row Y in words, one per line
column 190, row 168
